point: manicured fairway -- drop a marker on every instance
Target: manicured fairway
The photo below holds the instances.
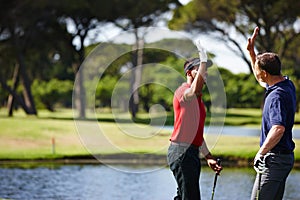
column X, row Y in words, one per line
column 57, row 135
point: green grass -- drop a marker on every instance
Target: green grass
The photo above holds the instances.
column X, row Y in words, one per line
column 241, row 117
column 28, row 137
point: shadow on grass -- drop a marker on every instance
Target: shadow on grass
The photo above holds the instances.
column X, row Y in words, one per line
column 230, row 119
column 233, row 119
column 240, row 115
column 168, row 121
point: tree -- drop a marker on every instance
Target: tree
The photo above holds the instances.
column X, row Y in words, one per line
column 81, row 18
column 231, row 20
column 23, row 28
column 137, row 16
column 47, row 94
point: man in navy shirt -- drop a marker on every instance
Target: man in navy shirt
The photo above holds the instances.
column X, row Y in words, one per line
column 275, row 158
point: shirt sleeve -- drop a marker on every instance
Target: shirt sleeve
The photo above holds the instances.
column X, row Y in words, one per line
column 278, row 112
column 180, row 92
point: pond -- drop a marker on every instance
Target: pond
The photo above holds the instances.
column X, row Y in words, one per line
column 236, row 130
column 89, row 182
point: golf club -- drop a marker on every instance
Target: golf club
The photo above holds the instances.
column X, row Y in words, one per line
column 258, row 187
column 215, row 181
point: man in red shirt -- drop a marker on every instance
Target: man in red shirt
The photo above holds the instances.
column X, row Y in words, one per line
column 187, row 137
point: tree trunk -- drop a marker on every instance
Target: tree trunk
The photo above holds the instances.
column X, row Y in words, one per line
column 11, row 99
column 15, row 95
column 80, row 94
column 80, row 101
column 137, row 61
column 28, row 98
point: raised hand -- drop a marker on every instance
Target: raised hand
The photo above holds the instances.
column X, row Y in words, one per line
column 201, row 50
column 251, row 40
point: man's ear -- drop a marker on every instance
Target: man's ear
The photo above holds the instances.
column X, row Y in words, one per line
column 265, row 73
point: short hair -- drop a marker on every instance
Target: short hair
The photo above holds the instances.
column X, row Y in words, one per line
column 269, row 62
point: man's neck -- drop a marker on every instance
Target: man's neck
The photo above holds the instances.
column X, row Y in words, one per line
column 275, row 79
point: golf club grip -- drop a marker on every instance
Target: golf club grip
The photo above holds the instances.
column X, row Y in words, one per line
column 218, row 161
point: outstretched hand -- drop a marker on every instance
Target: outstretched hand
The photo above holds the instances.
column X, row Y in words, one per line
column 201, row 50
column 251, row 40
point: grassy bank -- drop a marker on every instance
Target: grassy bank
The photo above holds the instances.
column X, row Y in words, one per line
column 56, row 135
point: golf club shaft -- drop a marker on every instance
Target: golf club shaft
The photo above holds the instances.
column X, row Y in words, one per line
column 215, row 181
column 258, row 187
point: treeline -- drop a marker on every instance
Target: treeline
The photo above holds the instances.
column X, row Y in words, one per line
column 160, row 81
column 43, row 45
column 162, row 77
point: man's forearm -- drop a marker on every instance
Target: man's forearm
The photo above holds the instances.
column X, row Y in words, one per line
column 253, row 58
column 274, row 136
column 198, row 83
column 205, row 152
column 196, row 88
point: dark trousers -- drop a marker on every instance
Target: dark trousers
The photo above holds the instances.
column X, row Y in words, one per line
column 273, row 180
column 185, row 164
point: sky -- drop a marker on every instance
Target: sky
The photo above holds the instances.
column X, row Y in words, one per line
column 224, row 56
column 184, row 1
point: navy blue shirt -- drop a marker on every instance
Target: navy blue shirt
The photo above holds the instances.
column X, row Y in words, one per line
column 279, row 109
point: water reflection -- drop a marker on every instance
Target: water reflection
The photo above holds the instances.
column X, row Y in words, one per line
column 105, row 183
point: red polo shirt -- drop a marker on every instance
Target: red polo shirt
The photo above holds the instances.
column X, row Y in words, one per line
column 189, row 118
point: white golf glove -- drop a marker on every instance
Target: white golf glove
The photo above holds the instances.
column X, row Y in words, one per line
column 201, row 50
column 260, row 163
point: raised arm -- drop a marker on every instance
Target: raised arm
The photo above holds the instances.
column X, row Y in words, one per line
column 197, row 84
column 250, row 48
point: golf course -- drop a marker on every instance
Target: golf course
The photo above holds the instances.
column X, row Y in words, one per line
column 56, row 136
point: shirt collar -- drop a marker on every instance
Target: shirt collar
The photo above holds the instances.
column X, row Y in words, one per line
column 286, row 78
